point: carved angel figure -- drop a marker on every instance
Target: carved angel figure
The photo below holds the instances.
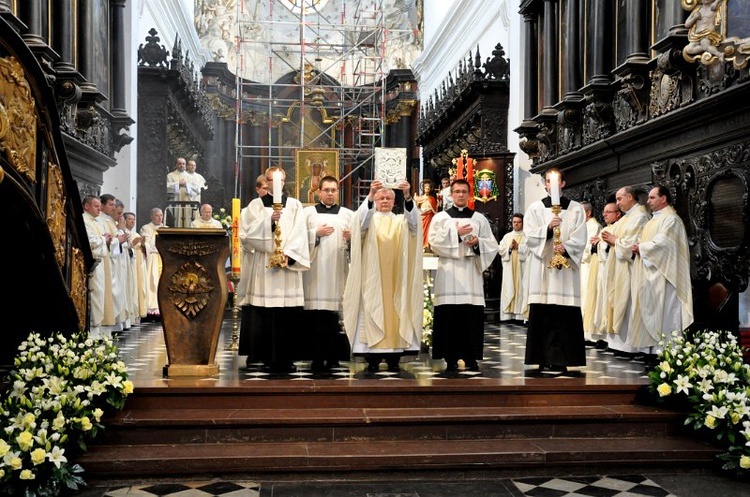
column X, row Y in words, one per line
column 704, row 32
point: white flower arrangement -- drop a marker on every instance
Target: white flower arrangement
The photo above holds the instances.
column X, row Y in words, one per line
column 57, row 394
column 225, row 219
column 428, row 313
column 708, row 374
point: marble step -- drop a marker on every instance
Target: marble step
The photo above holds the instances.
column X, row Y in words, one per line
column 181, row 426
column 109, row 461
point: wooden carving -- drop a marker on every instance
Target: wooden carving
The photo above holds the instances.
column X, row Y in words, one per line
column 18, row 126
column 78, row 285
column 56, row 215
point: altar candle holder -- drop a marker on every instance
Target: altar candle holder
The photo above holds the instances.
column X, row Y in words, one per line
column 559, row 261
column 277, row 259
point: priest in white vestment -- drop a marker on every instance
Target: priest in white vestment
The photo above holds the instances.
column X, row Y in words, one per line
column 514, row 253
column 98, row 238
column 597, row 317
column 196, row 181
column 620, row 269
column 555, row 328
column 328, row 235
column 206, row 219
column 138, row 263
column 114, row 302
column 383, row 302
column 463, row 241
column 592, row 230
column 181, row 189
column 273, row 297
column 149, row 232
column 662, row 292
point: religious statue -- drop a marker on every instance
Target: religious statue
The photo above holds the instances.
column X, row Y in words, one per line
column 428, row 207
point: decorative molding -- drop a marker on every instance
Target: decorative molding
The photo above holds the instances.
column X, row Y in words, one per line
column 79, row 285
column 56, row 216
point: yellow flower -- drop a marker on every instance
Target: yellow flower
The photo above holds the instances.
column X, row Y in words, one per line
column 26, row 474
column 664, row 389
column 37, row 456
column 710, row 422
column 4, row 447
column 127, row 387
column 86, row 423
column 16, row 463
column 2, row 473
column 25, row 441
column 735, row 417
column 745, row 462
column 29, row 420
column 98, row 414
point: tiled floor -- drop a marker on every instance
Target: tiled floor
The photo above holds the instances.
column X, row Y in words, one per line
column 657, row 485
column 143, row 350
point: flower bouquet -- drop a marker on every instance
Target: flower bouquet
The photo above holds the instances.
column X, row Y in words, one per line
column 58, row 392
column 225, row 219
column 707, row 373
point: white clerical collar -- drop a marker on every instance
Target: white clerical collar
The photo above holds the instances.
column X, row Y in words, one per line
column 632, row 209
column 657, row 213
column 460, row 209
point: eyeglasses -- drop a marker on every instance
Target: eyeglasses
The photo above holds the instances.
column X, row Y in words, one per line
column 461, row 192
column 611, row 212
column 329, row 190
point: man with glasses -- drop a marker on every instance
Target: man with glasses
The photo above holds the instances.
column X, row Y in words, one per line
column 463, row 241
column 597, row 316
column 328, row 235
column 383, row 296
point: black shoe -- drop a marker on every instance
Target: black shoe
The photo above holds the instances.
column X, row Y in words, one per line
column 601, row 345
column 472, row 366
column 393, row 367
column 452, row 367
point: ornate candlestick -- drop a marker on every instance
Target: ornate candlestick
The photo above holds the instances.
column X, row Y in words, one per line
column 277, row 259
column 235, row 345
column 559, row 261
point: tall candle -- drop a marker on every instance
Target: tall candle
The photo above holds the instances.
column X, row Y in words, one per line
column 236, row 252
column 277, row 176
column 554, row 187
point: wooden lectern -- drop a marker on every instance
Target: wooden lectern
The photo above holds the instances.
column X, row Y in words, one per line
column 192, row 297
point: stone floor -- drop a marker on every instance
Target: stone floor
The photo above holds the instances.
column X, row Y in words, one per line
column 143, row 350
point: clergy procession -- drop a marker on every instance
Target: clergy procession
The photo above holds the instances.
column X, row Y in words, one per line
column 350, row 283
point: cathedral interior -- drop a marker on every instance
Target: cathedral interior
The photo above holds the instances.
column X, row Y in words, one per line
column 102, row 96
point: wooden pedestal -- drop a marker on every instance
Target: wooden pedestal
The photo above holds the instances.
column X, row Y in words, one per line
column 192, row 297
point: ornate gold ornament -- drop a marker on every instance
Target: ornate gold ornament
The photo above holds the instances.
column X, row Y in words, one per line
column 559, row 261
column 18, row 126
column 78, row 286
column 708, row 40
column 56, row 215
column 485, row 185
column 190, row 288
column 277, row 259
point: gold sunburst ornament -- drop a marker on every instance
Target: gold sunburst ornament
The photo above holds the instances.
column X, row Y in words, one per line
column 190, row 288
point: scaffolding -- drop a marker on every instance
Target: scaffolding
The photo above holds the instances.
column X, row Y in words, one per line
column 324, row 89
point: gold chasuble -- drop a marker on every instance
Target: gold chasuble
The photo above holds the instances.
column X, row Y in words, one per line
column 389, row 243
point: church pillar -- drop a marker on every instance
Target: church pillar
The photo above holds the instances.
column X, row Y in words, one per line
column 531, row 70
column 85, row 46
column 527, row 130
column 674, row 16
column 62, row 34
column 632, row 76
column 31, row 13
column 117, row 57
column 600, row 41
column 550, row 55
column 5, row 5
column 596, row 117
column 573, row 54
